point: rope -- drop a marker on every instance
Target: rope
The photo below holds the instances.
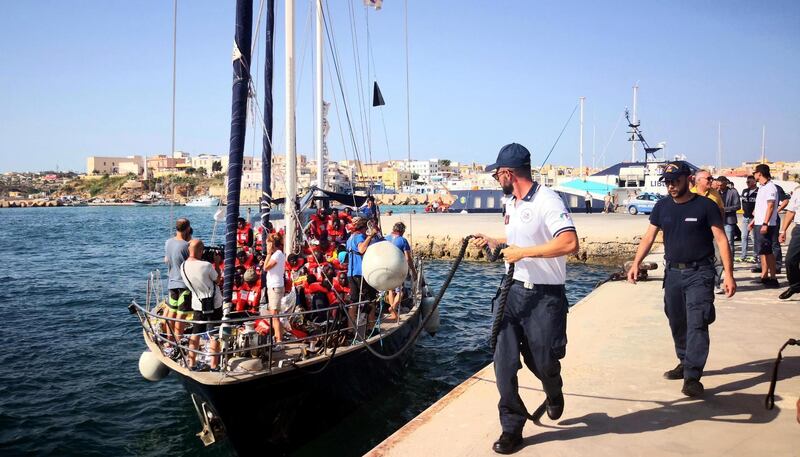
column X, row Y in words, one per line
column 559, row 137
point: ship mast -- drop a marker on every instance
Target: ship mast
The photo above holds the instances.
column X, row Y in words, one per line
column 634, row 123
column 289, row 214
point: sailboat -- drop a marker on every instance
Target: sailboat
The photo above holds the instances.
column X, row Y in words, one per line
column 266, row 400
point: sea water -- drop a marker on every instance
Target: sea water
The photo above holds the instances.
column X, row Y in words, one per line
column 69, row 380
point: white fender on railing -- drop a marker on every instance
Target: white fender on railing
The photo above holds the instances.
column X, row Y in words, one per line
column 151, row 368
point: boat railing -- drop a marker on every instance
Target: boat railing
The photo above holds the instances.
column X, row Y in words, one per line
column 327, row 331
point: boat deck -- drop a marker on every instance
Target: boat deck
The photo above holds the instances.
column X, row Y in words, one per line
column 246, row 368
column 617, row 402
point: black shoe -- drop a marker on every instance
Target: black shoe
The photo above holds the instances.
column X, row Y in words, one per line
column 507, row 443
column 771, row 283
column 756, row 269
column 787, row 293
column 675, row 373
column 692, row 388
column 555, row 407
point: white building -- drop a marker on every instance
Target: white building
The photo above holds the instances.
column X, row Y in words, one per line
column 424, row 168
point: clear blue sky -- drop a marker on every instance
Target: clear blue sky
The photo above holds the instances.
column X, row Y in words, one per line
column 94, row 78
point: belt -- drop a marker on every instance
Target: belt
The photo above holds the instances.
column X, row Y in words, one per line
column 691, row 265
column 530, row 285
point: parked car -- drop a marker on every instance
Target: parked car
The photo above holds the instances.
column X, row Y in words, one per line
column 642, row 203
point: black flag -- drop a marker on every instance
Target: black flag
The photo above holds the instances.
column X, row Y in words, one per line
column 377, row 97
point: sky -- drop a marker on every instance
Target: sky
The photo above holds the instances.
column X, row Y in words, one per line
column 95, row 78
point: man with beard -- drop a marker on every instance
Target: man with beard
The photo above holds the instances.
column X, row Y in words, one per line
column 690, row 223
column 540, row 234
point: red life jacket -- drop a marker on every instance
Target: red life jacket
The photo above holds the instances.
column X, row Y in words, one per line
column 249, row 297
column 244, row 234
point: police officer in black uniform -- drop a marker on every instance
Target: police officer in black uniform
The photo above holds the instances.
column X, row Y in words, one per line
column 690, row 223
column 539, row 234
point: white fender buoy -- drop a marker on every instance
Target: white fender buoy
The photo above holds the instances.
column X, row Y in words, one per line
column 151, row 368
column 384, row 267
column 427, row 307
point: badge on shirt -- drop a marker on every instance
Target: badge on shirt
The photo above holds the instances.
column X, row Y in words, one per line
column 526, row 215
column 690, row 219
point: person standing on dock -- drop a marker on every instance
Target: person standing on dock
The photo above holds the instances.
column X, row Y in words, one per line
column 748, row 205
column 690, row 224
column 792, row 260
column 765, row 224
column 540, row 234
column 587, row 202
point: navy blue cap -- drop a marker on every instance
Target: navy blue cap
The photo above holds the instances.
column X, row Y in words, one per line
column 675, row 169
column 512, row 155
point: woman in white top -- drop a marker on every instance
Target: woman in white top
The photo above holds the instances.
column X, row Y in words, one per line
column 275, row 268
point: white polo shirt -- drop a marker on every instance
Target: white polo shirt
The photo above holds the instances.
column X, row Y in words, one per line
column 766, row 193
column 794, row 205
column 535, row 220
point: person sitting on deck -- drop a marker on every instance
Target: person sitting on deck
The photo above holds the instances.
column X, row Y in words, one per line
column 249, row 295
column 244, row 259
column 336, row 231
column 244, row 233
column 179, row 300
column 201, row 280
column 393, row 297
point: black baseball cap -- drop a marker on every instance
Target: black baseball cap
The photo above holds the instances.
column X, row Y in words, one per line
column 675, row 169
column 512, row 155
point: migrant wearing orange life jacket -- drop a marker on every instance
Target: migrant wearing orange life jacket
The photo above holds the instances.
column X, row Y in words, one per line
column 244, row 233
column 249, row 296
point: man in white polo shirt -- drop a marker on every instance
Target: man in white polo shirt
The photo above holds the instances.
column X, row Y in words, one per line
column 539, row 234
column 764, row 224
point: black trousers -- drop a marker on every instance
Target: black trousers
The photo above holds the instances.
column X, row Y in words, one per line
column 689, row 306
column 792, row 260
column 534, row 325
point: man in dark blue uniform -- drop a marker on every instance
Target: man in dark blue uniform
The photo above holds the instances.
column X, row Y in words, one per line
column 539, row 234
column 690, row 224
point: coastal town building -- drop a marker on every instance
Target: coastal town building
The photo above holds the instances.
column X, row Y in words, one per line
column 108, row 165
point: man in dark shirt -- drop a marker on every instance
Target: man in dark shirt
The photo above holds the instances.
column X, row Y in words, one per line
column 748, row 199
column 690, row 224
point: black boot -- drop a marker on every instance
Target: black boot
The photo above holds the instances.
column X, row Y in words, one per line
column 692, row 388
column 507, row 443
column 675, row 373
column 555, row 407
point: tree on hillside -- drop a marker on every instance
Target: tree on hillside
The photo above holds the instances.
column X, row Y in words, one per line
column 445, row 162
column 201, row 171
column 216, row 166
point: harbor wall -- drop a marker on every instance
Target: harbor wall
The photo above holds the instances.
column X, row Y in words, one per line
column 605, row 239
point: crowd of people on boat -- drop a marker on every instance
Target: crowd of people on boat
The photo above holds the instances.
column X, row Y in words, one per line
column 323, row 272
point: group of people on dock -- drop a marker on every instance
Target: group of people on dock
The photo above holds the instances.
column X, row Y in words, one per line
column 324, row 271
column 699, row 222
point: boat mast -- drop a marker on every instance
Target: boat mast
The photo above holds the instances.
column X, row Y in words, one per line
column 719, row 145
column 291, row 160
column 634, row 121
column 582, row 99
column 318, row 101
column 241, row 82
column 266, row 150
column 763, row 142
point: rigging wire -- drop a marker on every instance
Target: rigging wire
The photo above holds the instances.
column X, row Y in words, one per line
column 359, row 76
column 603, row 154
column 559, row 137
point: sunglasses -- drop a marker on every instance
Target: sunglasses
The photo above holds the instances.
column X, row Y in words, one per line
column 496, row 174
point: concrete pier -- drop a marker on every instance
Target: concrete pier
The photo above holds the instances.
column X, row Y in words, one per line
column 618, row 403
column 608, row 239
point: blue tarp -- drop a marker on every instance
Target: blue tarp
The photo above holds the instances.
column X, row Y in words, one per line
column 591, row 186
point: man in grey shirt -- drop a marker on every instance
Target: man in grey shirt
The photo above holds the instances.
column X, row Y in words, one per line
column 179, row 300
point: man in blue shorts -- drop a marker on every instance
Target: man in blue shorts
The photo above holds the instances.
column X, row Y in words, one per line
column 393, row 297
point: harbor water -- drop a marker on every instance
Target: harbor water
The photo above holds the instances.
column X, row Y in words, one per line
column 69, row 382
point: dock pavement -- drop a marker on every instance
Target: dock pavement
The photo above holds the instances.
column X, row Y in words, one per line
column 618, row 403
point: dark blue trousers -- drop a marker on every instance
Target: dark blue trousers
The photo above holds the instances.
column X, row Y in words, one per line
column 689, row 305
column 534, row 325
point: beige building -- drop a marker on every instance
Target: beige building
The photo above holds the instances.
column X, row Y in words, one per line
column 112, row 165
